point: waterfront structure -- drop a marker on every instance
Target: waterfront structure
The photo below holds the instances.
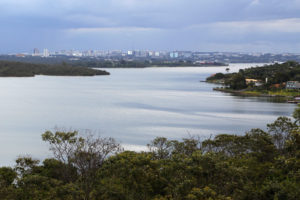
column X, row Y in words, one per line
column 254, row 81
column 292, row 85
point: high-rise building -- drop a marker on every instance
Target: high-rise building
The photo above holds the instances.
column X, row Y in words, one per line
column 46, row 53
column 174, row 54
column 36, row 52
column 150, row 53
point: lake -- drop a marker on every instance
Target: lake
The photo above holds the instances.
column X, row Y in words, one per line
column 131, row 105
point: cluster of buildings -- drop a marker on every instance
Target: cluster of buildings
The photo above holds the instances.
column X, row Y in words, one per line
column 223, row 57
column 116, row 53
column 45, row 53
column 291, row 85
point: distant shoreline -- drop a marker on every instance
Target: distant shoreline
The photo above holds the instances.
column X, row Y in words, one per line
column 162, row 66
column 20, row 69
column 183, row 66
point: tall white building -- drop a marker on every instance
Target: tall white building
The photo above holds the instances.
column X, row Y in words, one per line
column 46, row 53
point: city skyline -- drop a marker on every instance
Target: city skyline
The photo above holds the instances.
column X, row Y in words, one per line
column 168, row 25
column 38, row 51
column 148, row 56
column 45, row 51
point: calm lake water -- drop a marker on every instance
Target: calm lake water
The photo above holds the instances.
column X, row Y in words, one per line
column 131, row 105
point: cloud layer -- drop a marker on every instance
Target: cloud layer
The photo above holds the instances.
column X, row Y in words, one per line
column 218, row 25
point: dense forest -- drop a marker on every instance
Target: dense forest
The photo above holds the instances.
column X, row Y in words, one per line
column 22, row 69
column 260, row 165
column 271, row 76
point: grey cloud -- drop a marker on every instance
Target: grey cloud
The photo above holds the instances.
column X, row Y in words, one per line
column 157, row 24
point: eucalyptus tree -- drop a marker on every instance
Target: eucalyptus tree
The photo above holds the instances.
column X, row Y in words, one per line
column 85, row 153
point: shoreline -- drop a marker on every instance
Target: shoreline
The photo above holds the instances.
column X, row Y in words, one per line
column 247, row 93
column 160, row 66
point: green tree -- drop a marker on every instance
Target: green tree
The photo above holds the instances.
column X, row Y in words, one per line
column 237, row 82
column 281, row 130
column 296, row 115
column 7, row 177
column 86, row 155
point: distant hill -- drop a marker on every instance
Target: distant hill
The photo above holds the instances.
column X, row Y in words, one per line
column 21, row 69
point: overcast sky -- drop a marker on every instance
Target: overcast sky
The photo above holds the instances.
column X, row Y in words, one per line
column 198, row 25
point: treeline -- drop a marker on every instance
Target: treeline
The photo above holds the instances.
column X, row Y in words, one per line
column 275, row 74
column 21, row 69
column 188, row 63
column 260, row 165
column 109, row 63
column 118, row 62
column 140, row 63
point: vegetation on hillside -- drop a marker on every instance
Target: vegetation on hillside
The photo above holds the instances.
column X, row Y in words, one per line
column 20, row 69
column 261, row 165
column 272, row 77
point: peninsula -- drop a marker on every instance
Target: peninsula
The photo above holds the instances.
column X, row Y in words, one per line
column 22, row 69
column 274, row 80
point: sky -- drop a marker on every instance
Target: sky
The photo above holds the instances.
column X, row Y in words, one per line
column 197, row 25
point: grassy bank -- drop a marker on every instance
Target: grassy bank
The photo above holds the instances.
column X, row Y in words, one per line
column 279, row 95
column 276, row 93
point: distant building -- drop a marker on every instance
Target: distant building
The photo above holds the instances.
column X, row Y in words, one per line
column 46, row 53
column 187, row 54
column 20, row 55
column 150, row 53
column 254, row 81
column 174, row 55
column 141, row 54
column 36, row 52
column 88, row 53
column 292, row 85
column 76, row 53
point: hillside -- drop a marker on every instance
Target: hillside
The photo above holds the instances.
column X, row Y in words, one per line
column 267, row 80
